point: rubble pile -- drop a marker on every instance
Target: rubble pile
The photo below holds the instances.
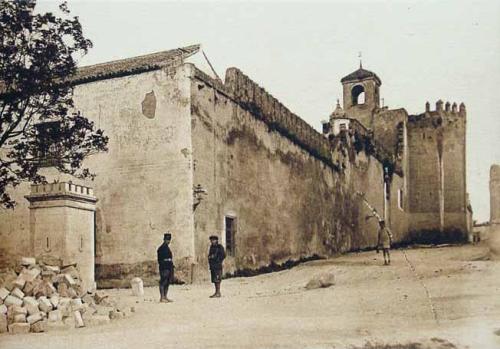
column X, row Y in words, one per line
column 39, row 295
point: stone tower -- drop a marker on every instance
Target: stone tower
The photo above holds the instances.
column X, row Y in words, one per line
column 361, row 95
column 494, row 230
column 495, row 194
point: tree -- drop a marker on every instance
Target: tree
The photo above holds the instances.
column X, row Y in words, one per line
column 39, row 125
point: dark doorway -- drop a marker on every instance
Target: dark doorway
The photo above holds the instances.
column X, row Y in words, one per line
column 230, row 235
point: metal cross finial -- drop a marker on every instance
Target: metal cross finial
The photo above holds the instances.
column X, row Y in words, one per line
column 360, row 55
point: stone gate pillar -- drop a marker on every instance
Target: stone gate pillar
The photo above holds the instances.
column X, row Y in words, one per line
column 494, row 229
column 62, row 225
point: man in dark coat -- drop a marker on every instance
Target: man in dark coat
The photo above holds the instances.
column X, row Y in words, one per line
column 216, row 255
column 166, row 266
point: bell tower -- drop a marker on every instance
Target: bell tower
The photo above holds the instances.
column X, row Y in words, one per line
column 361, row 95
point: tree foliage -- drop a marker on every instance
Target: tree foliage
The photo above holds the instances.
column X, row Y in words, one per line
column 39, row 125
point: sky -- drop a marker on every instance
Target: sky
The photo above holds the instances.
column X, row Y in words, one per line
column 299, row 51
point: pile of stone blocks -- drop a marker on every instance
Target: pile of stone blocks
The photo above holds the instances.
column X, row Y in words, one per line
column 39, row 295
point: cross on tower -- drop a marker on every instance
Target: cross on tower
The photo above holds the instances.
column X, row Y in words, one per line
column 360, row 56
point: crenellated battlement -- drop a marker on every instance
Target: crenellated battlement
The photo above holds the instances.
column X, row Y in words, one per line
column 449, row 108
column 264, row 106
column 443, row 112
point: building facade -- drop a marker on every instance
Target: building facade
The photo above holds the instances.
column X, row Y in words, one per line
column 193, row 155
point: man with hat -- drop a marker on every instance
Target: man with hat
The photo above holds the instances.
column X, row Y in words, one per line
column 216, row 255
column 384, row 241
column 166, row 266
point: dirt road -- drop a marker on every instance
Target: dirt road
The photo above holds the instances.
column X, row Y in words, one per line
column 432, row 295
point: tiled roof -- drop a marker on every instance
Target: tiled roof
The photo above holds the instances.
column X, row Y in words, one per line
column 361, row 74
column 132, row 65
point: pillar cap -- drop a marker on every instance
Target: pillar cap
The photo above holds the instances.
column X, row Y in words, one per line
column 61, row 191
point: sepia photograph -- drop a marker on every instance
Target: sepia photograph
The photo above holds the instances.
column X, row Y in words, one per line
column 249, row 174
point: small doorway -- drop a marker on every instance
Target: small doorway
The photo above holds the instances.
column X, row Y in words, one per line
column 230, row 238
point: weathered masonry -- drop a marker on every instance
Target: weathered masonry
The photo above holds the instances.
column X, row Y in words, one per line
column 194, row 155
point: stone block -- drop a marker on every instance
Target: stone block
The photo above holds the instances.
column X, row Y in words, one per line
column 78, row 319
column 30, row 286
column 19, row 328
column 34, row 318
column 17, row 293
column 4, row 293
column 76, row 304
column 8, row 280
column 39, row 326
column 27, row 261
column 71, row 271
column 31, row 304
column 62, row 289
column 45, row 289
column 137, row 287
column 3, row 309
column 88, row 299
column 54, row 269
column 44, row 304
column 69, row 280
column 54, row 299
column 99, row 297
column 47, row 275
column 72, row 293
column 19, row 282
column 16, row 309
column 3, row 323
column 11, row 300
column 19, row 318
column 322, row 280
column 55, row 315
column 29, row 274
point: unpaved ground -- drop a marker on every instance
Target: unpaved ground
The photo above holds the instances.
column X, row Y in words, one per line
column 452, row 295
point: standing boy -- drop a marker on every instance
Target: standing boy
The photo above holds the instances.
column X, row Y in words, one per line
column 384, row 241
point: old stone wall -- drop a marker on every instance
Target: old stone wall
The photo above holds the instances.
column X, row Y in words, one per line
column 424, row 172
column 273, row 173
column 144, row 182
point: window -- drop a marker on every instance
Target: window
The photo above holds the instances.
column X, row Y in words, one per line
column 400, row 198
column 48, row 136
column 230, row 223
column 343, row 126
column 326, row 127
column 358, row 95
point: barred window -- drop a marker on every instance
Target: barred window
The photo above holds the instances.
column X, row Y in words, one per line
column 49, row 136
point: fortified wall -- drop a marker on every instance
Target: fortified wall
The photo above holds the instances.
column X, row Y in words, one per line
column 291, row 190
